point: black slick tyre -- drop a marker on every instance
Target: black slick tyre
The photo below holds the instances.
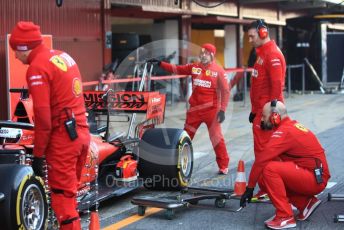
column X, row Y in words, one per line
column 25, row 205
column 165, row 159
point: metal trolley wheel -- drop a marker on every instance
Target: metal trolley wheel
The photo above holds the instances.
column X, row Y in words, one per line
column 338, row 218
column 169, row 214
column 141, row 210
column 220, row 203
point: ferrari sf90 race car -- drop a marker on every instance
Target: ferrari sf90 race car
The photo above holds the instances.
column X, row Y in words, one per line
column 117, row 162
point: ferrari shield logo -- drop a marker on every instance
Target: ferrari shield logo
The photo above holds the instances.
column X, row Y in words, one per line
column 59, row 63
column 77, row 87
column 301, row 127
column 195, row 70
column 260, row 61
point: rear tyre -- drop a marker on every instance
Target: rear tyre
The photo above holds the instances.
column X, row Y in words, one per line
column 165, row 159
column 32, row 204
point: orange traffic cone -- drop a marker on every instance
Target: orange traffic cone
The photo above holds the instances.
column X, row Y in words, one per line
column 240, row 180
column 94, row 222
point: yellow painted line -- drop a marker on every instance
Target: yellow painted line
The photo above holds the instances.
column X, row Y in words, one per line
column 330, row 16
column 132, row 219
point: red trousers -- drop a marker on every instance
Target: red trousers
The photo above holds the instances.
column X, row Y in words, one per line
column 286, row 183
column 65, row 159
column 194, row 118
column 260, row 137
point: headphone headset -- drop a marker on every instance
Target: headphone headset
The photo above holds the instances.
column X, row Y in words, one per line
column 262, row 29
column 275, row 117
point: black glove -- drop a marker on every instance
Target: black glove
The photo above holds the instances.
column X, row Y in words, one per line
column 251, row 117
column 220, row 116
column 154, row 61
column 246, row 197
column 37, row 166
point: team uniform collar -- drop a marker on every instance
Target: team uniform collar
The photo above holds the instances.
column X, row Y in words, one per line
column 36, row 51
column 266, row 46
column 206, row 66
column 285, row 120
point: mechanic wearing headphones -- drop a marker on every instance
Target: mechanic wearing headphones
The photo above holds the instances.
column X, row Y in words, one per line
column 300, row 174
column 209, row 99
column 267, row 81
column 61, row 131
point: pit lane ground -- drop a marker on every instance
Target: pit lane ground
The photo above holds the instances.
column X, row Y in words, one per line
column 323, row 114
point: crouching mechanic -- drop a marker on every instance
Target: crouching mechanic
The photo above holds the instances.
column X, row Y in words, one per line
column 267, row 82
column 61, row 131
column 300, row 173
column 209, row 99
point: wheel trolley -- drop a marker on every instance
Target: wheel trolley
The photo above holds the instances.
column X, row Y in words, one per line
column 336, row 197
column 187, row 196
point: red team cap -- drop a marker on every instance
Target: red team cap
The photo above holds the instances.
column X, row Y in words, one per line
column 209, row 47
column 25, row 36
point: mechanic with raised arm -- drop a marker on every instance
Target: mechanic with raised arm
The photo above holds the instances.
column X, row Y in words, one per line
column 61, row 131
column 209, row 99
column 267, row 81
column 300, row 174
column 107, row 74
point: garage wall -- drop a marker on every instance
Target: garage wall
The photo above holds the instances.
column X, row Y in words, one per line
column 231, row 46
column 164, row 30
column 171, row 33
column 75, row 28
column 199, row 37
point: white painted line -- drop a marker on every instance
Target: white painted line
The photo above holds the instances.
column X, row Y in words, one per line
column 330, row 184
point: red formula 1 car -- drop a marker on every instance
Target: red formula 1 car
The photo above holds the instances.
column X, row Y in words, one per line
column 158, row 158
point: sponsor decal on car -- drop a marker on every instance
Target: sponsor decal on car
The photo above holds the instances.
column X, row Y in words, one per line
column 10, row 132
column 153, row 103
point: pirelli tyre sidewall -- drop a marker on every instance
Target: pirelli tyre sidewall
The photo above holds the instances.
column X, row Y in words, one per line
column 165, row 158
column 25, row 205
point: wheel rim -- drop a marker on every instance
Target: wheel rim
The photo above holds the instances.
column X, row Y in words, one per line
column 186, row 159
column 33, row 207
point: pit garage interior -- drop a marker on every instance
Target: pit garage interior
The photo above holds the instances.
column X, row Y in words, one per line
column 91, row 30
column 198, row 22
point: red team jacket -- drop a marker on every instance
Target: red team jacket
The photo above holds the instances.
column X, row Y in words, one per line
column 267, row 81
column 54, row 82
column 291, row 141
column 210, row 88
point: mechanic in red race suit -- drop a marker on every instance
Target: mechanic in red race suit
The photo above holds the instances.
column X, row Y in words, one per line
column 267, row 81
column 54, row 83
column 300, row 173
column 209, row 99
